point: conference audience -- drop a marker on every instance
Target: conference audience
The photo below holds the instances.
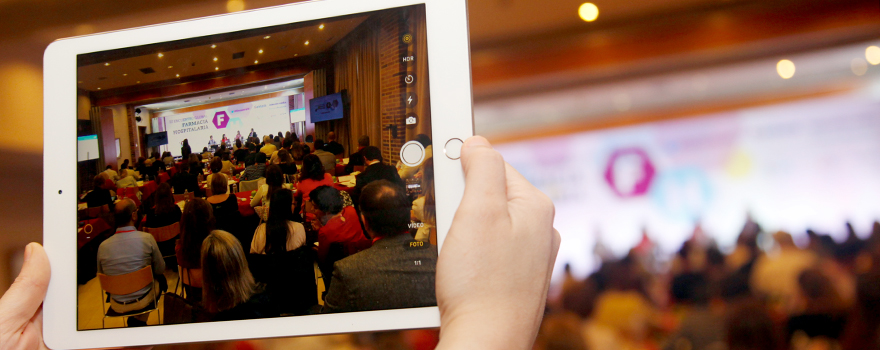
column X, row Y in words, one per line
column 327, row 158
column 229, row 290
column 240, row 152
column 206, row 154
column 357, row 158
column 167, row 159
column 312, row 176
column 278, row 234
column 185, row 180
column 111, row 174
column 274, row 182
column 224, row 205
column 126, row 179
column 127, row 251
column 99, row 195
column 196, row 223
column 424, row 207
column 227, row 166
column 195, row 164
column 216, row 166
column 256, row 170
column 397, row 271
column 339, row 229
column 268, row 146
column 407, row 171
column 375, row 170
column 165, row 211
column 286, row 162
column 332, row 146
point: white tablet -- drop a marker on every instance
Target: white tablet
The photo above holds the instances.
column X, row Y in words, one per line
column 320, row 98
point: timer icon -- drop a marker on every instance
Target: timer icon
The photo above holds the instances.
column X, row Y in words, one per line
column 409, row 79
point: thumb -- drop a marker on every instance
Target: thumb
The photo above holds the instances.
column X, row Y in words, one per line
column 26, row 294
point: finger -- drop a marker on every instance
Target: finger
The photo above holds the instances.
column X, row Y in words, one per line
column 26, row 294
column 525, row 196
column 483, row 171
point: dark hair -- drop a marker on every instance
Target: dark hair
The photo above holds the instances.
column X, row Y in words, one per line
column 294, row 137
column 184, row 167
column 364, row 141
column 196, row 223
column 312, row 168
column 251, row 146
column 277, row 138
column 277, row 229
column 284, row 156
column 186, row 142
column 385, row 207
column 224, row 156
column 319, row 144
column 166, row 154
column 309, row 138
column 423, row 139
column 155, row 155
column 260, row 158
column 218, row 183
column 286, row 143
column 237, row 143
column 306, row 149
column 122, row 215
column 222, row 147
column 216, row 165
column 164, row 199
column 124, row 164
column 327, row 198
column 372, row 153
column 204, row 149
column 98, row 181
column 274, row 178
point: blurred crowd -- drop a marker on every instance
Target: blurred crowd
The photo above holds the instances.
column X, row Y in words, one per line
column 767, row 293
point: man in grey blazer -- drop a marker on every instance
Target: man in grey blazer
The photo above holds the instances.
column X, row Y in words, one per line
column 397, row 271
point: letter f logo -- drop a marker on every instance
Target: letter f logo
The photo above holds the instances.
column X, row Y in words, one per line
column 220, row 120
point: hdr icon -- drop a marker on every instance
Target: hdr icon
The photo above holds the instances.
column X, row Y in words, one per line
column 220, row 120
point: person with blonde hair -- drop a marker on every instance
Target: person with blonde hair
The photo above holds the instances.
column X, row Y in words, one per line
column 224, row 204
column 229, row 289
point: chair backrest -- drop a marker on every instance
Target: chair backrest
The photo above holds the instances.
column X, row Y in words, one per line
column 93, row 212
column 164, row 233
column 127, row 283
column 164, row 177
column 191, row 277
column 252, row 185
column 183, row 197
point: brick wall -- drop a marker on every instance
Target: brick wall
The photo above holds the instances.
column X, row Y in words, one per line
column 391, row 73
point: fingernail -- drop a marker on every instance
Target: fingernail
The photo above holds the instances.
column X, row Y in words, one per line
column 27, row 252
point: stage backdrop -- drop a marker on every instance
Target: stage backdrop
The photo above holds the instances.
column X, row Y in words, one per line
column 266, row 117
column 810, row 164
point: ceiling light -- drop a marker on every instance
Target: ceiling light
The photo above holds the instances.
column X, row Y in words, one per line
column 785, row 68
column 296, row 54
column 169, row 67
column 261, row 51
column 873, row 55
column 161, row 55
column 138, row 82
column 99, row 88
column 255, row 62
column 588, row 11
column 321, row 26
column 267, row 37
column 307, row 42
column 214, row 46
column 234, row 5
column 177, row 75
column 216, row 68
column 106, row 64
column 124, row 74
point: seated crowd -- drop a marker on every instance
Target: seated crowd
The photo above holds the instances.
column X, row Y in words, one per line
column 229, row 266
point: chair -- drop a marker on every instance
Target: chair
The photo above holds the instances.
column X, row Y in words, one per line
column 164, row 233
column 93, row 212
column 188, row 277
column 127, row 284
column 252, row 185
column 164, row 177
column 129, row 192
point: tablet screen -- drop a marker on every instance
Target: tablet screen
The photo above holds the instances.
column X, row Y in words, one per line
column 277, row 171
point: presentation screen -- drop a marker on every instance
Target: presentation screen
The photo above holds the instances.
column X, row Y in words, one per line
column 326, row 108
column 206, row 128
column 87, row 148
column 157, row 139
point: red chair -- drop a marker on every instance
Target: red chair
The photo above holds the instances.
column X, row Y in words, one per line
column 130, row 193
column 164, row 177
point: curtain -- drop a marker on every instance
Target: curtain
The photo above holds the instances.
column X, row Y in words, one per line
column 357, row 71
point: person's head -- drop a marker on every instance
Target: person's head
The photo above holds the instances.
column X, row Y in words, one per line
column 216, row 165
column 109, row 167
column 184, row 167
column 280, row 134
column 371, row 154
column 423, row 139
column 294, row 137
column 186, row 142
column 212, row 137
column 310, row 137
column 227, row 282
column 218, row 183
column 98, row 181
column 194, row 158
column 277, row 139
column 125, row 213
column 222, row 147
column 331, row 136
column 123, row 173
column 319, row 144
column 277, row 229
column 286, row 134
column 124, row 164
column 224, row 156
column 238, row 133
column 267, row 139
column 327, row 199
column 252, row 147
column 224, row 136
column 385, row 208
column 312, row 168
column 164, row 198
column 274, row 176
column 237, row 143
column 306, row 149
column 260, row 158
column 204, row 149
column 141, row 161
column 166, row 154
column 196, row 223
column 286, row 143
column 364, row 141
column 284, row 157
column 252, row 129
column 155, row 155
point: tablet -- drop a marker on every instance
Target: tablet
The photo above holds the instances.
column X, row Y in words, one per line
column 173, row 140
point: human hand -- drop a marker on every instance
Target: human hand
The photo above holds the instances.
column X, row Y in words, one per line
column 21, row 308
column 495, row 266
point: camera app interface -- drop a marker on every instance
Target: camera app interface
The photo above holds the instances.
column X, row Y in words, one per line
column 279, row 171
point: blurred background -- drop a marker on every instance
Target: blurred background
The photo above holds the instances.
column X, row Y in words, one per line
column 714, row 163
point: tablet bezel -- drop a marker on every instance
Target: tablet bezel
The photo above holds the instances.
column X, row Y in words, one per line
column 450, row 82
